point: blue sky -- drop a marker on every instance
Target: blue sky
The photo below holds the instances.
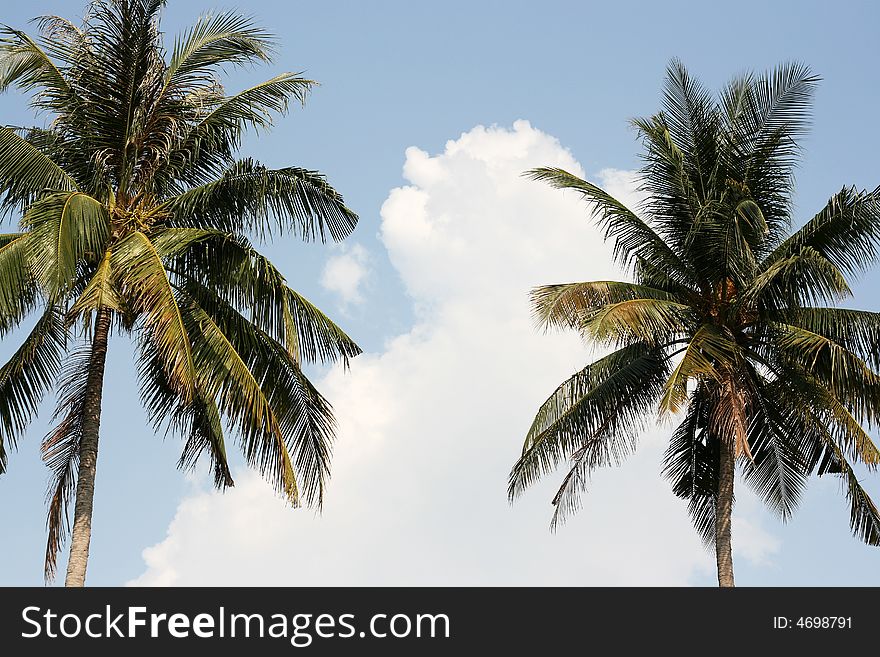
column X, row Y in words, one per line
column 396, row 75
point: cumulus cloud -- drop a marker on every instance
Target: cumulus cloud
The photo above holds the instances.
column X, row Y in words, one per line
column 429, row 426
column 345, row 274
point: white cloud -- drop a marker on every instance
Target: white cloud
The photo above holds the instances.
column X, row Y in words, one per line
column 346, row 273
column 430, row 426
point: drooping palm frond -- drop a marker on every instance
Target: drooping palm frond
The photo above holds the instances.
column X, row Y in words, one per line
column 249, row 198
column 247, row 280
column 60, row 452
column 778, row 469
column 826, row 410
column 827, row 455
column 690, row 463
column 18, row 289
column 100, row 292
column 28, row 375
column 141, row 276
column 243, row 400
column 63, row 230
column 311, row 336
column 28, row 64
column 263, row 392
column 599, row 407
column 26, row 173
column 206, row 435
column 857, row 331
column 652, row 321
column 842, row 373
column 198, row 420
column 707, row 354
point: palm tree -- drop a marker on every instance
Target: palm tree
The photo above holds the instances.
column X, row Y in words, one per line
column 134, row 216
column 731, row 323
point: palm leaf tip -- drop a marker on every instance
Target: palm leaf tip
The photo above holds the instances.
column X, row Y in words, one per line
column 556, row 177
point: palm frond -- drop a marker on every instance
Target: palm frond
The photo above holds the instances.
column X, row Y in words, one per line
column 598, row 409
column 63, row 230
column 310, row 335
column 707, row 354
column 142, row 280
column 842, row 372
column 215, row 40
column 18, row 289
column 100, row 292
column 262, row 391
column 26, row 173
column 778, row 469
column 206, row 434
column 691, row 461
column 28, row 375
column 857, row 331
column 633, row 238
column 778, row 103
column 864, row 518
column 27, row 65
column 197, row 420
column 653, row 321
column 251, row 108
column 805, row 277
column 846, row 232
column 251, row 198
column 209, row 142
column 246, row 279
column 820, row 409
column 567, row 305
column 864, row 515
column 60, row 452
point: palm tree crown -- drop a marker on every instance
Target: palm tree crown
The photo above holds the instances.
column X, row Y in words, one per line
column 134, row 215
column 731, row 323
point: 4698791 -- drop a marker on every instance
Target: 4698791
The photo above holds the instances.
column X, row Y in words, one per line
column 824, row 622
column 813, row 623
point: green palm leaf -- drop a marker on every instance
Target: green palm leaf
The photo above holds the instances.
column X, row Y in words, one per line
column 633, row 238
column 251, row 198
column 140, row 273
column 18, row 289
column 595, row 407
column 215, row 40
column 63, row 231
column 28, row 375
column 26, row 172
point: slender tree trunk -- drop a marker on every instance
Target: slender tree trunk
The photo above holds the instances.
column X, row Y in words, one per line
column 88, row 454
column 723, row 512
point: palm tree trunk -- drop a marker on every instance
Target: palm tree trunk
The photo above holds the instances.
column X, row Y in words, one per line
column 723, row 513
column 88, row 454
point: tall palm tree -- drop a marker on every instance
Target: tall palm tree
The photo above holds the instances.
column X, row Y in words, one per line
column 134, row 215
column 731, row 323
